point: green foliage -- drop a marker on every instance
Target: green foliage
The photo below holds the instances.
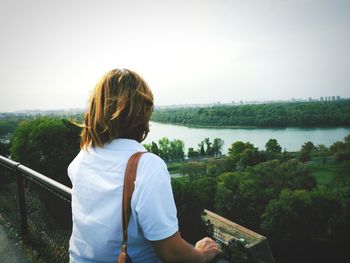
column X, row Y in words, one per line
column 148, row 147
column 308, row 147
column 217, row 146
column 176, row 151
column 215, row 167
column 245, row 154
column 341, row 150
column 201, row 149
column 298, row 114
column 324, row 172
column 298, row 223
column 174, row 167
column 164, row 148
column 273, row 146
column 323, row 152
column 154, row 148
column 304, row 156
column 242, row 196
column 337, row 146
column 46, row 145
column 208, row 148
column 238, row 147
column 4, row 149
column 305, row 152
column 193, row 169
column 191, row 198
column 7, row 127
column 192, row 153
column 168, row 150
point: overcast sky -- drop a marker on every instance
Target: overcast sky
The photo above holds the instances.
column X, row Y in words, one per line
column 53, row 52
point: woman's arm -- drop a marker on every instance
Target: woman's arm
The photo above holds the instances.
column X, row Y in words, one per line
column 174, row 249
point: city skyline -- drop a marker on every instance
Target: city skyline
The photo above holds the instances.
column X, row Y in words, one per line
column 189, row 52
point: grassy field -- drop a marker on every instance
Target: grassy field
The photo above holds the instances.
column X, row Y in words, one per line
column 173, row 168
column 324, row 173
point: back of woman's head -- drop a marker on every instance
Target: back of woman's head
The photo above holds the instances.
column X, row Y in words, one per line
column 120, row 107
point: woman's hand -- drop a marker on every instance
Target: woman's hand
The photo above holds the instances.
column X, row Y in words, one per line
column 209, row 248
column 175, row 249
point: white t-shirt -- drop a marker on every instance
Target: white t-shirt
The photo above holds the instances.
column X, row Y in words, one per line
column 97, row 176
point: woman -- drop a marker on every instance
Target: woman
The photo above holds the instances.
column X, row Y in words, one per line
column 115, row 124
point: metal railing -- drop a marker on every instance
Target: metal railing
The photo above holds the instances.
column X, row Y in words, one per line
column 39, row 209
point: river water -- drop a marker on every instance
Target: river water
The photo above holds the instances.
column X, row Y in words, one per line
column 290, row 139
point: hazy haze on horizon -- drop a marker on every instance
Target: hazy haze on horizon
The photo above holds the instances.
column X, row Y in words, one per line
column 53, row 52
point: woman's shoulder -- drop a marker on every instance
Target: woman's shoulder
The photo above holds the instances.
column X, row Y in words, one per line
column 153, row 161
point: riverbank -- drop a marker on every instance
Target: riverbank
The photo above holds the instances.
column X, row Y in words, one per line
column 208, row 126
column 290, row 139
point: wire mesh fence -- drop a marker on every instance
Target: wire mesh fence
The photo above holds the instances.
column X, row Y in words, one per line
column 9, row 214
column 47, row 214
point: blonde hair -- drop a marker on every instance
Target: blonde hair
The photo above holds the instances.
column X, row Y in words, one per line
column 120, row 107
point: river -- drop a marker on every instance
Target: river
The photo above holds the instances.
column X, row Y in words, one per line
column 290, row 139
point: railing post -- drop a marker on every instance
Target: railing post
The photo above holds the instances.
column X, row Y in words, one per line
column 21, row 202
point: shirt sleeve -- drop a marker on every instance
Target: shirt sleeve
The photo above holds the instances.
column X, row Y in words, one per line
column 155, row 208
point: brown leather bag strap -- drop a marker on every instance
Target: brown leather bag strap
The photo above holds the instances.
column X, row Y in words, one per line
column 129, row 180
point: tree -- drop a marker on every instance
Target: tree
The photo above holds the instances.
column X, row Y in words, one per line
column 191, row 198
column 176, row 150
column 208, row 144
column 297, row 114
column 217, row 146
column 148, row 147
column 323, row 152
column 273, row 146
column 337, row 146
column 347, row 139
column 308, row 147
column 304, row 156
column 164, row 148
column 215, row 167
column 302, row 217
column 249, row 157
column 48, row 145
column 238, row 147
column 341, row 150
column 7, row 127
column 245, row 154
column 191, row 153
column 193, row 169
column 242, row 196
column 4, row 149
column 154, row 148
column 201, row 149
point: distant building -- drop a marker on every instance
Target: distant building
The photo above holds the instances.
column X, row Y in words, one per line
column 321, row 99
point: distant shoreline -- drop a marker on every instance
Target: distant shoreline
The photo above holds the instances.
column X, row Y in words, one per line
column 207, row 126
column 248, row 127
